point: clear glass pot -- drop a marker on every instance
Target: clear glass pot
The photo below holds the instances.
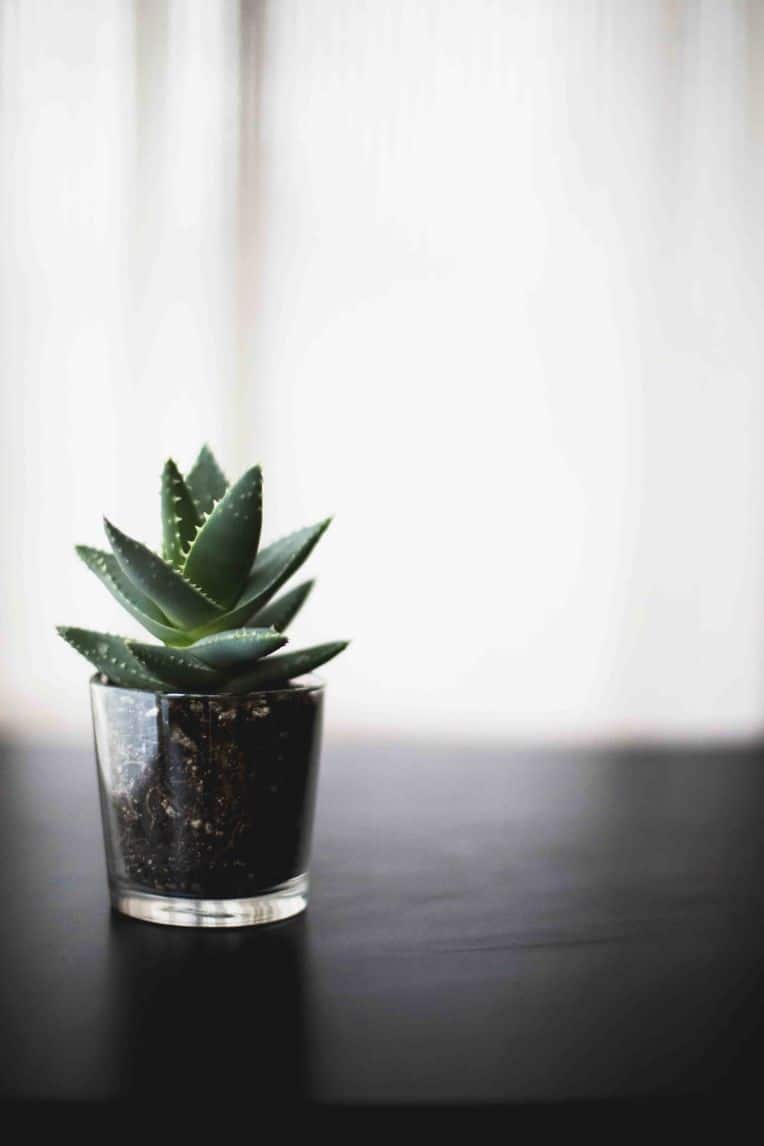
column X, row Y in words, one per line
column 207, row 801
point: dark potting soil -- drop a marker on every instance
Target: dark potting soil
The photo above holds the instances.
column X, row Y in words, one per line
column 223, row 804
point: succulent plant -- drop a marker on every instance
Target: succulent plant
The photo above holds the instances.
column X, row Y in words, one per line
column 208, row 597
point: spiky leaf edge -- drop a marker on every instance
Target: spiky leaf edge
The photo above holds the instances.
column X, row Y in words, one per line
column 238, row 649
column 107, row 570
column 184, row 604
column 225, row 545
column 261, row 586
column 180, row 517
column 111, row 656
column 281, row 669
column 177, row 667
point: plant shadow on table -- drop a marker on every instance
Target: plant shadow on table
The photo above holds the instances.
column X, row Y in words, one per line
column 209, row 1014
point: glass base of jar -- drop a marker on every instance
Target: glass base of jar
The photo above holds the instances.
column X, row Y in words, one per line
column 280, row 902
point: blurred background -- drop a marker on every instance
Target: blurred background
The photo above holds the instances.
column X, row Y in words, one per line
column 482, row 278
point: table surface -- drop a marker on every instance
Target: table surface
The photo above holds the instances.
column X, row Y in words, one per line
column 486, row 925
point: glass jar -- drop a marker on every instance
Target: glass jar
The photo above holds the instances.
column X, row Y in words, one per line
column 207, row 801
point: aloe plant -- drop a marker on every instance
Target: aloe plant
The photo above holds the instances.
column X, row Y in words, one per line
column 209, row 596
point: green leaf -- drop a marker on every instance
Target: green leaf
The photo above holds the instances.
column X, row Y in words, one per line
column 180, row 519
column 272, row 568
column 237, row 648
column 182, row 603
column 283, row 610
column 106, row 567
column 108, row 572
column 223, row 550
column 177, row 667
column 206, row 481
column 111, row 656
column 279, row 670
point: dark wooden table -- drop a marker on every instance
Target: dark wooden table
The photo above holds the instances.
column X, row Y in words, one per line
column 487, row 926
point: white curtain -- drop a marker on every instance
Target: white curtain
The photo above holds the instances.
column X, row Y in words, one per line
column 119, row 193
column 484, row 278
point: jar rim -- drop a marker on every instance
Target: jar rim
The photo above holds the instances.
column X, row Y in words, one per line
column 311, row 683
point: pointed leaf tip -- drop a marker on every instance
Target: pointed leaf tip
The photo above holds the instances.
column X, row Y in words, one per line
column 206, row 481
column 111, row 656
column 280, row 669
column 281, row 612
column 238, row 649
